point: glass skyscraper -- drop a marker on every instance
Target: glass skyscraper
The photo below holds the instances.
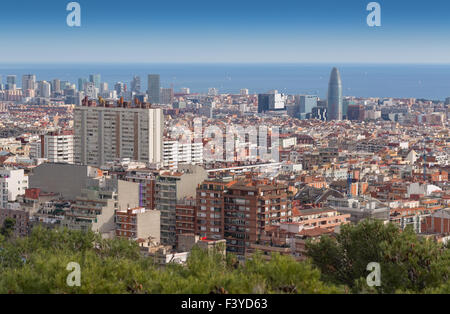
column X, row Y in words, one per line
column 81, row 82
column 334, row 111
column 154, row 89
column 305, row 104
column 11, row 82
column 96, row 79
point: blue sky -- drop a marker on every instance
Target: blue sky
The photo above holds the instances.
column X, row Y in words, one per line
column 225, row 31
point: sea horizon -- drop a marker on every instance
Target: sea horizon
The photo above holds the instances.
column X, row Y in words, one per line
column 404, row 80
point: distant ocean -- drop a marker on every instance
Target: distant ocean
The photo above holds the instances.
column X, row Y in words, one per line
column 362, row 80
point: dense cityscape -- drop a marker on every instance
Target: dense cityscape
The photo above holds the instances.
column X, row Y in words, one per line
column 89, row 158
column 190, row 150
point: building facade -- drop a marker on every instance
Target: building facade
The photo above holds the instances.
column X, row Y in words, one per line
column 57, row 147
column 335, row 100
column 103, row 134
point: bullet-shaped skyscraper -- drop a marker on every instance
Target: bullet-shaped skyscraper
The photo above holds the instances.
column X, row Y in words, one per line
column 335, row 96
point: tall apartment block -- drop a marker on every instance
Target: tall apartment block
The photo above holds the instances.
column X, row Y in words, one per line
column 249, row 208
column 210, row 220
column 57, row 146
column 146, row 179
column 107, row 132
column 175, row 153
column 171, row 188
column 28, row 81
column 239, row 211
column 185, row 217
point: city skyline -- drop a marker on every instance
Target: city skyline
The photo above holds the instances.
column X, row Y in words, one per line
column 418, row 81
column 239, row 147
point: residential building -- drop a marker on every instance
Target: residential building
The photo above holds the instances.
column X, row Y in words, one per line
column 13, row 182
column 171, row 188
column 138, row 223
column 175, row 153
column 103, row 134
column 57, row 146
column 95, row 208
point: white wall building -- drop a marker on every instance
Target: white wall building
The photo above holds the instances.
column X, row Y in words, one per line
column 103, row 134
column 175, row 153
column 13, row 182
column 57, row 147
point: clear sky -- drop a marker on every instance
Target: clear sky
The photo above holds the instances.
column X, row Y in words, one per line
column 225, row 31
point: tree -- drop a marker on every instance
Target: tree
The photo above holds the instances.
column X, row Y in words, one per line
column 8, row 227
column 37, row 264
column 408, row 262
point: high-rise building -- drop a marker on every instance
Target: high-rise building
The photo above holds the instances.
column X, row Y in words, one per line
column 81, row 82
column 305, row 105
column 239, row 211
column 154, row 88
column 335, row 96
column 28, row 82
column 119, row 88
column 172, row 188
column 146, row 179
column 263, row 103
column 136, row 84
column 319, row 113
column 244, row 92
column 44, row 89
column 96, row 79
column 271, row 101
column 211, row 208
column 56, row 86
column 166, row 96
column 103, row 87
column 105, row 133
column 57, row 146
column 90, row 90
column 185, row 219
column 11, row 81
column 175, row 153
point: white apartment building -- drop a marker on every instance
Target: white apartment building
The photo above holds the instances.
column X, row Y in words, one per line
column 103, row 134
column 175, row 153
column 13, row 182
column 57, row 147
column 35, row 149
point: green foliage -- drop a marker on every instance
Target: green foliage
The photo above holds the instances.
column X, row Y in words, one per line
column 8, row 227
column 408, row 263
column 37, row 264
